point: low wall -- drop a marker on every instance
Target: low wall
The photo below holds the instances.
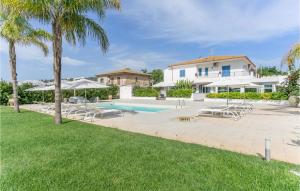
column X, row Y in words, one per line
column 167, row 98
column 272, row 102
column 198, row 96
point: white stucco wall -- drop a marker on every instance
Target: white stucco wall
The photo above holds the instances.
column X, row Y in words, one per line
column 237, row 68
column 125, row 92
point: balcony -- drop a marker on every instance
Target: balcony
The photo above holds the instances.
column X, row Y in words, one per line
column 214, row 74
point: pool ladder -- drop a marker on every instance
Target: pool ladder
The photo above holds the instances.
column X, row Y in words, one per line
column 180, row 104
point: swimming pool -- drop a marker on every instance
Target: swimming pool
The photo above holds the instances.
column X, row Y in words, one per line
column 131, row 107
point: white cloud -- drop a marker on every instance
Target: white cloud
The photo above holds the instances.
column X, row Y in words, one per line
column 124, row 57
column 212, row 22
column 73, row 62
column 32, row 53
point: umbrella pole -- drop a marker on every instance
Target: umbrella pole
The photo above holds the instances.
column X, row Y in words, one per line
column 227, row 94
column 85, row 98
column 244, row 94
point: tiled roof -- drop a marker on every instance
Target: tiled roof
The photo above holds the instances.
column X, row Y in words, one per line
column 123, row 71
column 212, row 59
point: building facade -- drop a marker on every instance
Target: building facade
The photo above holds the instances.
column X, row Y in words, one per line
column 124, row 77
column 204, row 71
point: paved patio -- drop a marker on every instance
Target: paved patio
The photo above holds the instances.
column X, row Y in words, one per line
column 281, row 124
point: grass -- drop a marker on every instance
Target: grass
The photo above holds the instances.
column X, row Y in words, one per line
column 37, row 155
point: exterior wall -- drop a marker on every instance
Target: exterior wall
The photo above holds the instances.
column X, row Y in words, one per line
column 126, row 92
column 125, row 79
column 237, row 68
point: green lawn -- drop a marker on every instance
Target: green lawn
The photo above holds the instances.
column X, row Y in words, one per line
column 37, row 155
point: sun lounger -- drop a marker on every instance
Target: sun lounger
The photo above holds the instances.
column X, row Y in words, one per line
column 90, row 115
column 227, row 111
column 46, row 108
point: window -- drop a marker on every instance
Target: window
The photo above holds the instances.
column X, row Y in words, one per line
column 118, row 80
column 206, row 71
column 136, row 79
column 199, row 71
column 250, row 90
column 224, row 89
column 182, row 73
column 225, row 71
column 268, row 88
column 101, row 80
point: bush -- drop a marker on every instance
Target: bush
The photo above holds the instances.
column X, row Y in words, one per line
column 250, row 95
column 5, row 90
column 179, row 93
column 145, row 92
column 27, row 97
column 183, row 84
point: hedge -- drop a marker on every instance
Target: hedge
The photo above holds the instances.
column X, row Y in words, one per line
column 145, row 92
column 179, row 93
column 27, row 97
column 249, row 95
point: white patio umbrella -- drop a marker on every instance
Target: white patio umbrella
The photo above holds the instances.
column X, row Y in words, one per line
column 64, row 85
column 40, row 88
column 164, row 84
column 233, row 82
column 85, row 84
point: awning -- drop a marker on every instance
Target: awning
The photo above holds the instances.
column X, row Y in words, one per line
column 231, row 82
column 164, row 84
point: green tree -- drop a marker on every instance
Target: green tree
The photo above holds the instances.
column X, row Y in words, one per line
column 15, row 29
column 291, row 57
column 68, row 19
column 144, row 71
column 157, row 76
column 291, row 86
column 269, row 71
column 183, row 84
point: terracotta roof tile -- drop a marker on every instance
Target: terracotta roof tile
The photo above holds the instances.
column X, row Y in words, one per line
column 123, row 71
column 212, row 59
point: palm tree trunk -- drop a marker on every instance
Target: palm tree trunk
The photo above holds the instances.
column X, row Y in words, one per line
column 13, row 67
column 57, row 52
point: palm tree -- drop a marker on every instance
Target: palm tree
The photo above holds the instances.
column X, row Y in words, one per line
column 16, row 30
column 68, row 19
column 292, row 56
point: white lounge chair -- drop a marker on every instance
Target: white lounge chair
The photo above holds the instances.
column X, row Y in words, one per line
column 90, row 115
column 229, row 111
column 47, row 108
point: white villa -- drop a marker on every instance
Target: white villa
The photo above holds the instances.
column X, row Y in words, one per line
column 211, row 74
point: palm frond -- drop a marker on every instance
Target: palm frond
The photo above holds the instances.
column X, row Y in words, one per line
column 79, row 26
column 17, row 29
column 37, row 42
column 293, row 55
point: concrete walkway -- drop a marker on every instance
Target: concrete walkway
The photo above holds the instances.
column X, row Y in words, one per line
column 281, row 124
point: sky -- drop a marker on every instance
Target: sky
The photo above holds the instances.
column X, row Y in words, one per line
column 152, row 34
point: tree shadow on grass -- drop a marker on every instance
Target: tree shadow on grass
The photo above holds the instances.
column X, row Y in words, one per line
column 66, row 121
column 260, row 156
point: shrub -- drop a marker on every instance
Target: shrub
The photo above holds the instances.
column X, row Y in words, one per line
column 5, row 91
column 27, row 97
column 179, row 93
column 183, row 84
column 145, row 92
column 249, row 95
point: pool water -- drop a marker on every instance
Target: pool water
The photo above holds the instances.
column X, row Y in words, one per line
column 130, row 107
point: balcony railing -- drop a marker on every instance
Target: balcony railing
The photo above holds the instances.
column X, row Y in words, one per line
column 219, row 74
